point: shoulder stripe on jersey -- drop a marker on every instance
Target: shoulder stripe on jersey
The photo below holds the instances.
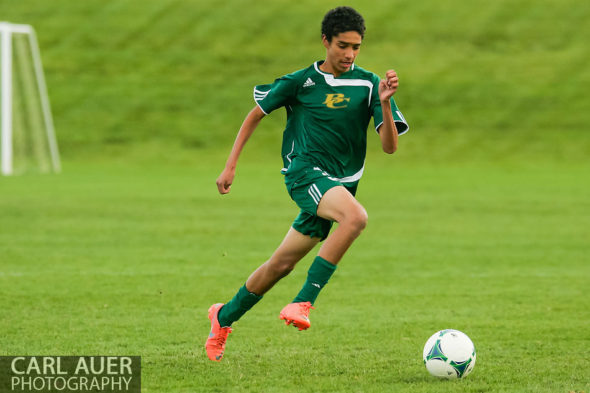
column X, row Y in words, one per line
column 258, row 98
column 260, row 95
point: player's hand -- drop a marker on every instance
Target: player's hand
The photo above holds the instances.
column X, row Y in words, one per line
column 388, row 86
column 225, row 180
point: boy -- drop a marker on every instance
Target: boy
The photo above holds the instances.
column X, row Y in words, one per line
column 329, row 105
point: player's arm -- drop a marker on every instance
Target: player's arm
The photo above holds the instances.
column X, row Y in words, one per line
column 388, row 130
column 226, row 178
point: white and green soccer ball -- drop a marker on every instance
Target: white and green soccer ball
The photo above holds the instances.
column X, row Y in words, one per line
column 449, row 354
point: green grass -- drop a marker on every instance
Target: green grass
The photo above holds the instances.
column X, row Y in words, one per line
column 478, row 223
column 110, row 260
column 181, row 72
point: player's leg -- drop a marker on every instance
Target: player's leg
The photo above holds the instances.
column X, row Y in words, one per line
column 336, row 204
column 295, row 246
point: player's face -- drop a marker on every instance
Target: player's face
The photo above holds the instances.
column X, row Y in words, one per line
column 341, row 51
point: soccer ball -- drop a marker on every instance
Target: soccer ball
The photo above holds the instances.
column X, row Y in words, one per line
column 449, row 354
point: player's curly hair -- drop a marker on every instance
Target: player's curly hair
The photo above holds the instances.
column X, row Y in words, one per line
column 340, row 20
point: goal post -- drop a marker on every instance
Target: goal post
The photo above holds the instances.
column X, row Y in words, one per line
column 27, row 131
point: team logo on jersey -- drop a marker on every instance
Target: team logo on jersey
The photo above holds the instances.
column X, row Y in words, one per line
column 336, row 101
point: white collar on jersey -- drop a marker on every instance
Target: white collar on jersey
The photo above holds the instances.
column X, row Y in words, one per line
column 318, row 63
column 332, row 81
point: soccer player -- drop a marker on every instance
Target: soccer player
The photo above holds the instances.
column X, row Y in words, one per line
column 329, row 105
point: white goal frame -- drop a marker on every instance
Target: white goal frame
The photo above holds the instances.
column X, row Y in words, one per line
column 6, row 32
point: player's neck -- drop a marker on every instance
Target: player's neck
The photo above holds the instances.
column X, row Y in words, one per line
column 327, row 68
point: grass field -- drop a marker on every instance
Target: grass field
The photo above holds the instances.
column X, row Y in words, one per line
column 480, row 222
column 104, row 260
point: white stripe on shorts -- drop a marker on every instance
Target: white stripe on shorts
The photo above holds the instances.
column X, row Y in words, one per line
column 315, row 193
column 315, row 199
column 317, row 190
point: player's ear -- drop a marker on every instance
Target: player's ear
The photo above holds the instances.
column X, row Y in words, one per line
column 325, row 41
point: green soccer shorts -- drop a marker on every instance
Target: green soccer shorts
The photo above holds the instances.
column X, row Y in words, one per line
column 306, row 185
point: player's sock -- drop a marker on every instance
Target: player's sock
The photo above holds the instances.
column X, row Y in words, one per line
column 318, row 275
column 238, row 306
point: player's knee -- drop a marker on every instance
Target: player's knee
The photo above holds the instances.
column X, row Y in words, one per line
column 362, row 219
column 357, row 219
column 281, row 266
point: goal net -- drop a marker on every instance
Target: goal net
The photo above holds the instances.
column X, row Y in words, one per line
column 28, row 141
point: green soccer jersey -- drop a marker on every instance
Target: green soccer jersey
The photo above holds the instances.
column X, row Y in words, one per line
column 327, row 117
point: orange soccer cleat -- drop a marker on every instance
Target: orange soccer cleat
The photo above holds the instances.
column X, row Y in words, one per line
column 215, row 344
column 297, row 314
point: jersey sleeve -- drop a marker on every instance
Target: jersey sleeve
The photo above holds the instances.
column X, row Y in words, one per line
column 280, row 93
column 377, row 112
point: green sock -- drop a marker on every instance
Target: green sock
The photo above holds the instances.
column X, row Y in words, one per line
column 238, row 306
column 318, row 275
